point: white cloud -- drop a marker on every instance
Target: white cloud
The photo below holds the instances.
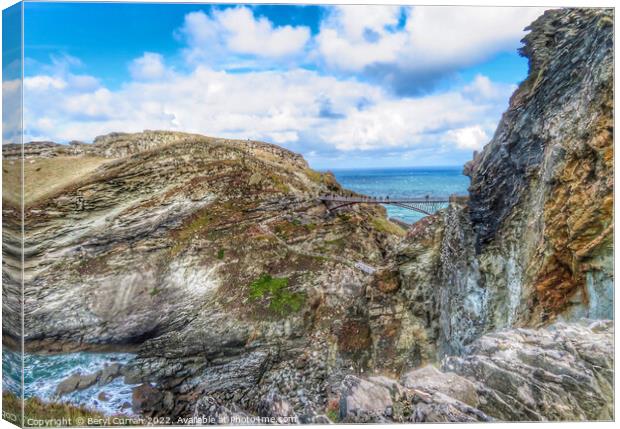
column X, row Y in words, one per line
column 430, row 41
column 248, row 35
column 462, row 35
column 11, row 111
column 301, row 109
column 38, row 83
column 354, row 37
column 238, row 31
column 404, row 122
column 266, row 105
column 148, row 67
column 469, row 137
column 308, row 111
column 482, row 86
column 82, row 82
column 483, row 90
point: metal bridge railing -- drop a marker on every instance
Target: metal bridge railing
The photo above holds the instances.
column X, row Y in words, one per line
column 425, row 205
column 381, row 200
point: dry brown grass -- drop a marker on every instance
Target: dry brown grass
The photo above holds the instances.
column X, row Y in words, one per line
column 35, row 409
column 45, row 176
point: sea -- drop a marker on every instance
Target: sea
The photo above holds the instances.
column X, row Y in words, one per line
column 410, row 182
column 43, row 373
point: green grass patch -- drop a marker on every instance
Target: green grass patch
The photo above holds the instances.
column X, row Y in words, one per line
column 384, row 225
column 220, row 254
column 197, row 224
column 288, row 229
column 339, row 243
column 274, row 289
column 322, row 178
column 333, row 415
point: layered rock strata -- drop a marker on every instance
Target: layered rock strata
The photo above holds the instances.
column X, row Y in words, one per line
column 534, row 243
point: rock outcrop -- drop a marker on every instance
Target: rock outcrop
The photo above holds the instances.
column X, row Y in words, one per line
column 541, row 194
column 79, row 381
column 534, row 242
column 563, row 373
column 212, row 259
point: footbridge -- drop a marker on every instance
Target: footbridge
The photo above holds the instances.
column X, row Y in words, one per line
column 426, row 205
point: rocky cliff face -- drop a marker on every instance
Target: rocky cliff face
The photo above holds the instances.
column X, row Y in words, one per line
column 212, row 259
column 534, row 243
column 542, row 190
column 150, row 230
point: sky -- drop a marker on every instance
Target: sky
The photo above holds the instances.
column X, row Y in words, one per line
column 345, row 86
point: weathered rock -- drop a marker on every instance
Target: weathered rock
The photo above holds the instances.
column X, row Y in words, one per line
column 148, row 220
column 364, row 401
column 208, row 411
column 68, row 385
column 152, row 241
column 275, row 406
column 387, row 281
column 561, row 373
column 381, row 400
column 440, row 408
column 77, row 381
column 564, row 372
column 109, row 373
column 145, row 399
column 430, row 379
column 534, row 243
column 541, row 191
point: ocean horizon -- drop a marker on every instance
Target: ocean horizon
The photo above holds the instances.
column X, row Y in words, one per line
column 406, row 182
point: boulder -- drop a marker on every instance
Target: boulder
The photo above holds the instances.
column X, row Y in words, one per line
column 145, row 398
column 274, row 405
column 561, row 373
column 364, row 401
column 209, row 411
column 430, row 379
column 77, row 381
column 440, row 408
column 109, row 373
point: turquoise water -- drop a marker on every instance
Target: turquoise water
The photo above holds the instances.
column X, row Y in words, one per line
column 43, row 373
column 405, row 182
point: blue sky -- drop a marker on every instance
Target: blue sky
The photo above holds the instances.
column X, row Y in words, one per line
column 345, row 86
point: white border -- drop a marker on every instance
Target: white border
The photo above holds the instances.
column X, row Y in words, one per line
column 551, row 3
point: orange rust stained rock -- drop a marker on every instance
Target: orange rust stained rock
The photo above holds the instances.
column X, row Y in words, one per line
column 387, row 281
column 354, row 336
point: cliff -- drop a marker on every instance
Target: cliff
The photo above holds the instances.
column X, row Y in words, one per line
column 535, row 242
column 542, row 190
column 212, row 259
column 136, row 235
